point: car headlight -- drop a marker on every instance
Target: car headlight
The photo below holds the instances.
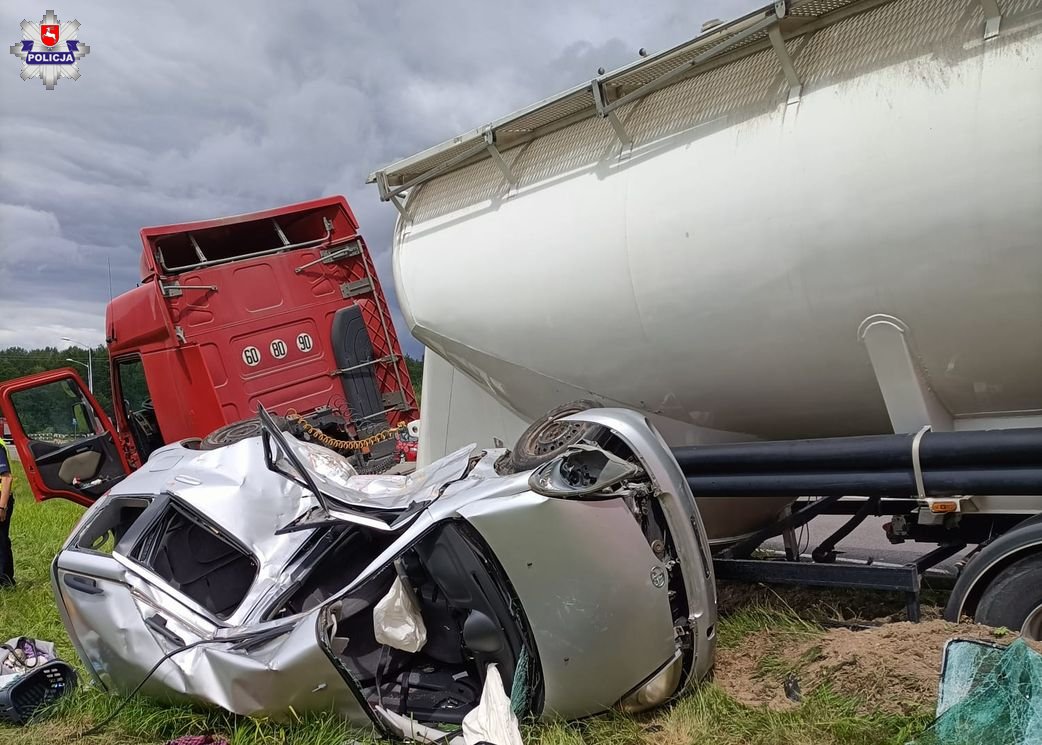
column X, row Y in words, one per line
column 657, row 690
column 581, row 470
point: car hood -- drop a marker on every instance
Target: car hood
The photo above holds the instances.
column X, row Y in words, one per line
column 230, row 488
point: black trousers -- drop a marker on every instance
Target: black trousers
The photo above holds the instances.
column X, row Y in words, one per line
column 6, row 557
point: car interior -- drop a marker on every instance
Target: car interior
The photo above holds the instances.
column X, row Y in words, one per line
column 71, row 450
column 193, row 557
column 469, row 620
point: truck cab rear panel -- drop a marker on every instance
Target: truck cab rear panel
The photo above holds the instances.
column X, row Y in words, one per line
column 271, row 308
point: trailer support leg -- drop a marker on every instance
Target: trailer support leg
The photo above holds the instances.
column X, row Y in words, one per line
column 826, row 550
column 912, row 608
column 795, row 519
column 792, row 545
column 935, row 557
column 921, row 564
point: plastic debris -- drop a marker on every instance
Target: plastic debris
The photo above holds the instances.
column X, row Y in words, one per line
column 24, row 695
column 413, row 731
column 988, row 694
column 397, row 621
column 492, row 720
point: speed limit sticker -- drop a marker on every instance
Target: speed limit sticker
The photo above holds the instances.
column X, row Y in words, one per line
column 278, row 349
column 304, row 342
column 251, row 356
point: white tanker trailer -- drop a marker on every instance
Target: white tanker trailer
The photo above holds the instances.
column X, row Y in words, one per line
column 822, row 219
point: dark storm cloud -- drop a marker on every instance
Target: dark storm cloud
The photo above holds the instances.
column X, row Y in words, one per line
column 191, row 110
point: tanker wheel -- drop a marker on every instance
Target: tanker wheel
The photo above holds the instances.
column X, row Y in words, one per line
column 1014, row 598
column 236, row 431
column 546, row 438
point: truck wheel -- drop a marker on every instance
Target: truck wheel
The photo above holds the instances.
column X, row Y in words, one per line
column 546, row 438
column 1014, row 598
column 236, row 431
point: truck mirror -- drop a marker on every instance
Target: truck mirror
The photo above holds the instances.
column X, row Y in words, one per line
column 82, row 419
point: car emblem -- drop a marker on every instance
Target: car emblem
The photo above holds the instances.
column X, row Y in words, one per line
column 658, row 576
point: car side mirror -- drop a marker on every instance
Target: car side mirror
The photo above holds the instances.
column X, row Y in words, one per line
column 482, row 634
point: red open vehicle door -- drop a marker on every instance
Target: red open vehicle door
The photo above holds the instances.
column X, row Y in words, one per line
column 66, row 444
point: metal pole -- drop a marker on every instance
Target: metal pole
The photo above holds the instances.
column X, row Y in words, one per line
column 90, row 361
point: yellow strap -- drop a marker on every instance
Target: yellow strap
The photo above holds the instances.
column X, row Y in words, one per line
column 338, row 444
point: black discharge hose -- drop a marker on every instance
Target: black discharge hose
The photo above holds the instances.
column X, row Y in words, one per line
column 940, row 451
column 1010, row 481
column 999, row 461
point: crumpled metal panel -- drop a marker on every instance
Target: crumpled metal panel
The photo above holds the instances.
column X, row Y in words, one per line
column 583, row 572
column 290, row 672
column 590, row 586
column 337, row 479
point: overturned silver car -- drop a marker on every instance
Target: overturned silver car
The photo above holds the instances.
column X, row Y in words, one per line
column 257, row 577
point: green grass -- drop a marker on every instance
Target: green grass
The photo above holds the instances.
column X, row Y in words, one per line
column 707, row 716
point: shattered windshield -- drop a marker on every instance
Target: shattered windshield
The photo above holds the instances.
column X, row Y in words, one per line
column 340, row 482
column 335, row 482
column 324, row 465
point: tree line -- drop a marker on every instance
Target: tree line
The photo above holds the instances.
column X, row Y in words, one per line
column 16, row 362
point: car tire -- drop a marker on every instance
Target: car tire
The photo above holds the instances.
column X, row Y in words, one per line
column 236, row 431
column 1013, row 599
column 546, row 438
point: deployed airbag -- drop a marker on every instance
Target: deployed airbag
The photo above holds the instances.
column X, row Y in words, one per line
column 397, row 621
column 492, row 720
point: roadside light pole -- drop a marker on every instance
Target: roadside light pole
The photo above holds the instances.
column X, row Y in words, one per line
column 90, row 362
column 81, row 364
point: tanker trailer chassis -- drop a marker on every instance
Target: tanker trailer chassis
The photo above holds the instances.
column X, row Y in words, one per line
column 951, row 490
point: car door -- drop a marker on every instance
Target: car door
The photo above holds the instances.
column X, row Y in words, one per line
column 66, row 444
column 120, row 624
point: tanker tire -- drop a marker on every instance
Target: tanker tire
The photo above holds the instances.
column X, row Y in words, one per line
column 236, row 431
column 546, row 438
column 1013, row 597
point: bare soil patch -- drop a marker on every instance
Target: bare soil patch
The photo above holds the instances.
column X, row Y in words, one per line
column 892, row 668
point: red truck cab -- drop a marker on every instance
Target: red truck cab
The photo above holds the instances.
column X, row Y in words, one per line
column 281, row 308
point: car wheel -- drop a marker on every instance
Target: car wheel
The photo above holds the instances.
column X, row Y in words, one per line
column 236, row 431
column 1014, row 598
column 546, row 438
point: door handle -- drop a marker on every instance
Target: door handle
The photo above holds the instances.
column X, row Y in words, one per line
column 83, row 584
column 158, row 624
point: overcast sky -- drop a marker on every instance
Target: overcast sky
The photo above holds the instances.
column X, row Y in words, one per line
column 190, row 110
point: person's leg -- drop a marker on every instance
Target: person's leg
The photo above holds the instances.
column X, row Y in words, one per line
column 6, row 554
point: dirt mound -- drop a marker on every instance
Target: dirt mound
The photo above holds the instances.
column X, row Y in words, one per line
column 893, row 667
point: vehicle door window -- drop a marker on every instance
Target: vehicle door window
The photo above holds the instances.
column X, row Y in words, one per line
column 69, row 445
column 135, row 405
